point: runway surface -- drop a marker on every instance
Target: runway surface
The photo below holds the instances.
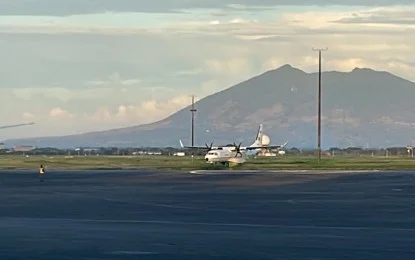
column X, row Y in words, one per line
column 173, row 215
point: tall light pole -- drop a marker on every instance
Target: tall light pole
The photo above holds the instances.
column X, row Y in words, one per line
column 319, row 103
column 193, row 111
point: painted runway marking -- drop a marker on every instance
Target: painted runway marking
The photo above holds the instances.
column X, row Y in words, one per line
column 166, row 222
column 163, row 205
column 132, row 253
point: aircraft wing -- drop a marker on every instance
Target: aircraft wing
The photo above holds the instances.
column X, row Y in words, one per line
column 193, row 147
column 266, row 146
column 10, row 126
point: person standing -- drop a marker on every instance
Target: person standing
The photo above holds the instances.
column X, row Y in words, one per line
column 41, row 172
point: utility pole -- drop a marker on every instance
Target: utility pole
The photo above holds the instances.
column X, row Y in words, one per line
column 319, row 103
column 193, row 111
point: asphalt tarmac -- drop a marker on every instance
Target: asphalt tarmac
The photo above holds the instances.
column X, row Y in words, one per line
column 173, row 215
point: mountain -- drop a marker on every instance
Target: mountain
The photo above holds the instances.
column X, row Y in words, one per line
column 363, row 107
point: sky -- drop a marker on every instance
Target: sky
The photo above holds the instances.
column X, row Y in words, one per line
column 81, row 65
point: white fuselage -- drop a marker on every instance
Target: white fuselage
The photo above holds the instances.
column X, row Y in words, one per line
column 220, row 155
column 225, row 153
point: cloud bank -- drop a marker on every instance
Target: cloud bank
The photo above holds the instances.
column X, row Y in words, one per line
column 63, row 8
column 79, row 73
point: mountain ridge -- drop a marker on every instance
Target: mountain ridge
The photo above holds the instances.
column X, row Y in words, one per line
column 283, row 99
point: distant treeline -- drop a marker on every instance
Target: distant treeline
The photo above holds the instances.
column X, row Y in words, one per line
column 392, row 151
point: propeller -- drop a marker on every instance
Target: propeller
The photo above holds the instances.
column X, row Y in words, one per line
column 237, row 149
column 209, row 147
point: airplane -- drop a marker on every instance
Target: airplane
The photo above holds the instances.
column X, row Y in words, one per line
column 257, row 144
column 228, row 155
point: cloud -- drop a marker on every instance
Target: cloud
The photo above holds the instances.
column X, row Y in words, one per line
column 28, row 93
column 28, row 115
column 382, row 16
column 386, row 120
column 188, row 72
column 281, row 26
column 233, row 66
column 151, row 110
column 102, row 114
column 111, row 70
column 146, row 111
column 61, row 8
column 59, row 113
column 114, row 80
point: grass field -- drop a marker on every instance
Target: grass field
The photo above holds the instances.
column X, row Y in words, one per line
column 186, row 163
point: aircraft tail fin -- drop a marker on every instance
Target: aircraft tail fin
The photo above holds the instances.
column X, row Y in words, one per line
column 258, row 138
